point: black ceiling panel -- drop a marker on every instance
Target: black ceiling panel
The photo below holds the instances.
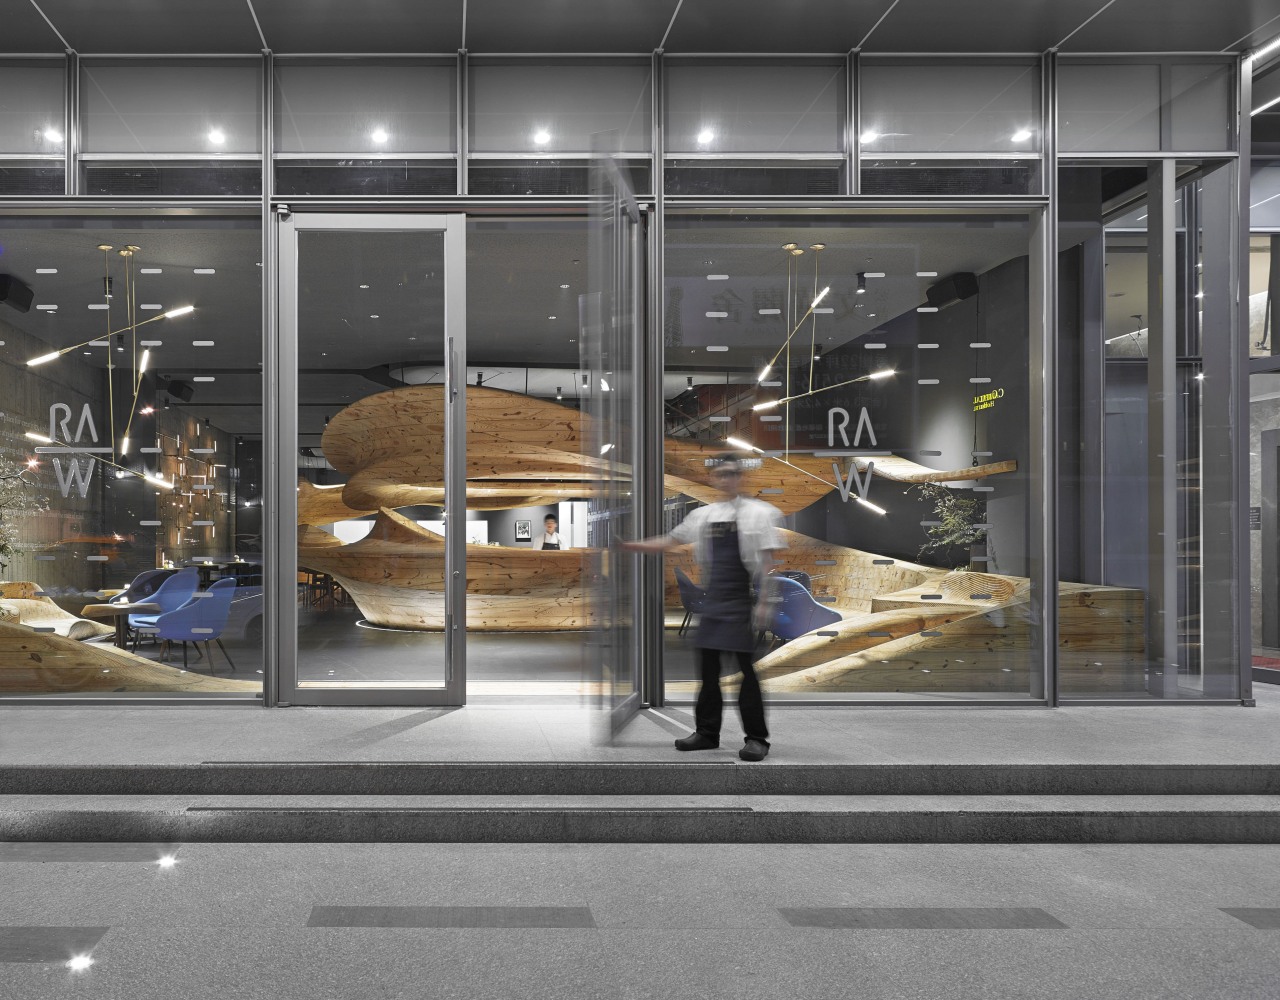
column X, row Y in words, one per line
column 1175, row 26
column 769, row 26
column 387, row 26
column 155, row 26
column 567, row 25
column 986, row 26
column 25, row 30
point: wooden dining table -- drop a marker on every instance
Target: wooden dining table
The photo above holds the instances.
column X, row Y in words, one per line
column 121, row 613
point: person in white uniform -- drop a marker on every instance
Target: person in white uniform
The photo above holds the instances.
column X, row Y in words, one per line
column 550, row 539
column 735, row 542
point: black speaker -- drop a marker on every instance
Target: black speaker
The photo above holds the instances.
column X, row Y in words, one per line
column 14, row 293
column 961, row 285
column 180, row 390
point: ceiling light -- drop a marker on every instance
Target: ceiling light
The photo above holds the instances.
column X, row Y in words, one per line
column 765, row 373
column 1022, row 135
column 167, row 861
column 52, row 134
column 1263, row 50
column 767, row 405
column 883, row 374
column 33, row 463
column 1199, row 376
column 868, row 503
column 821, row 295
column 739, row 443
column 550, row 317
column 373, row 315
column 180, row 311
column 862, row 283
column 78, row 963
column 142, row 363
column 379, row 135
column 559, row 393
column 870, row 135
column 705, row 136
column 604, row 386
column 542, row 137
column 124, row 446
column 217, row 136
column 564, row 286
column 39, row 437
column 42, row 359
column 364, row 286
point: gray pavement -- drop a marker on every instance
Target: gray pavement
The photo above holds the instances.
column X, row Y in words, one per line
column 156, row 734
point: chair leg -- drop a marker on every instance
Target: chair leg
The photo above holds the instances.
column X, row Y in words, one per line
column 209, row 658
column 184, row 654
column 224, row 653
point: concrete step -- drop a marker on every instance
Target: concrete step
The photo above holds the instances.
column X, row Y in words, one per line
column 726, row 777
column 1253, row 819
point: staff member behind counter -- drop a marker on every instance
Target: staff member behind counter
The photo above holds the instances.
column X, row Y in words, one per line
column 550, row 538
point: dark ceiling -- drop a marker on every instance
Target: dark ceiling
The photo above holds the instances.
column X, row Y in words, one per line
column 611, row 26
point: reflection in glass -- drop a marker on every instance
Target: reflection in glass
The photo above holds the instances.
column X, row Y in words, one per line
column 878, row 367
column 130, row 501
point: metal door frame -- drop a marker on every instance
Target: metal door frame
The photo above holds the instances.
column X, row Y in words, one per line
column 282, row 467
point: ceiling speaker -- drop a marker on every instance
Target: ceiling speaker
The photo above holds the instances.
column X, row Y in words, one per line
column 14, row 293
column 961, row 285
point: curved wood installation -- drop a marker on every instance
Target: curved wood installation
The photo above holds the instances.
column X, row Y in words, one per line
column 20, row 603
column 323, row 504
column 395, row 575
column 523, row 451
column 903, row 470
column 43, row 662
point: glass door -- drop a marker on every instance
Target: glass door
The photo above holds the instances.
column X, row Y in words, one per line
column 611, row 442
column 372, row 349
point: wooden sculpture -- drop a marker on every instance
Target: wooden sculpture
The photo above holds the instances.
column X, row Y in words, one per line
column 45, row 662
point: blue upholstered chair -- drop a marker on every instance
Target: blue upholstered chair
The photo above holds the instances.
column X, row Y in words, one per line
column 143, row 586
column 200, row 620
column 170, row 595
column 797, row 612
column 691, row 596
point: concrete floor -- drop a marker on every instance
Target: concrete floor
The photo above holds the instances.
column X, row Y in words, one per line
column 571, row 921
column 522, row 731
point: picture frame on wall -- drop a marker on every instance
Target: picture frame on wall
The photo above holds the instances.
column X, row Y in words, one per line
column 524, row 531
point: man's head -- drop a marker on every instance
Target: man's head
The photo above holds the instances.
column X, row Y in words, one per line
column 550, row 523
column 726, row 472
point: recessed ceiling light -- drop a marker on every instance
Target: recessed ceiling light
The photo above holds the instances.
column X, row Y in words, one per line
column 379, row 135
column 542, row 137
column 564, row 286
column 364, row 286
column 217, row 136
column 78, row 963
column 373, row 315
column 550, row 317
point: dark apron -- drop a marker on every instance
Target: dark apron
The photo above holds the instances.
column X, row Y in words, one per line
column 726, row 613
column 550, row 546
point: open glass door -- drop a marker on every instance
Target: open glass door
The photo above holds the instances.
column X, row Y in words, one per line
column 610, row 346
column 371, row 347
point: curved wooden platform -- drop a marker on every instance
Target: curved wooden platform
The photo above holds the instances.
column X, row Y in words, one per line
column 395, row 575
column 40, row 662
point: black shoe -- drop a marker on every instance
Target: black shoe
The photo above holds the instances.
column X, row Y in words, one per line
column 754, row 750
column 697, row 741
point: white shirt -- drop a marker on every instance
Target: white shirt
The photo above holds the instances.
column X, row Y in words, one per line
column 759, row 531
column 549, row 539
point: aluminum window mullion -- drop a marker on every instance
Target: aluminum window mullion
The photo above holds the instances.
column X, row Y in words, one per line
column 71, row 106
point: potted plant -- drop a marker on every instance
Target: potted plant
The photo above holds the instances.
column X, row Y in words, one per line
column 958, row 517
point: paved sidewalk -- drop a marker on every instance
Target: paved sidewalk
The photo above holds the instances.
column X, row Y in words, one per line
column 1170, row 734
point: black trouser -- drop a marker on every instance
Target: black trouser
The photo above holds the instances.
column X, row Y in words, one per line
column 710, row 707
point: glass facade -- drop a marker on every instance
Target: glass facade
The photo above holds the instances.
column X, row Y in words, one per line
column 975, row 318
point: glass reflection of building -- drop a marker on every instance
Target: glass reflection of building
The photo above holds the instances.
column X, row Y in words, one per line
column 1006, row 440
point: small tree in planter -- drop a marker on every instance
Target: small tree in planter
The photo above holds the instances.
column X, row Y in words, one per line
column 18, row 497
column 957, row 515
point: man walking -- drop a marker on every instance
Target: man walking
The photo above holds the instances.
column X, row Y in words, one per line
column 735, row 541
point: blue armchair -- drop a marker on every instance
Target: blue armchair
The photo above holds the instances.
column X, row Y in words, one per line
column 202, row 619
column 171, row 595
column 143, row 586
column 797, row 611
column 691, row 596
